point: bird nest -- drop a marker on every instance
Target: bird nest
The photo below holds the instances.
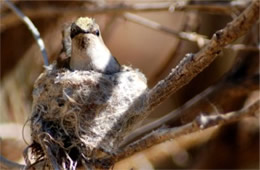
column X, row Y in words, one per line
column 80, row 117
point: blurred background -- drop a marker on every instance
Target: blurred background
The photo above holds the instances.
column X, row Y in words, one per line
column 155, row 52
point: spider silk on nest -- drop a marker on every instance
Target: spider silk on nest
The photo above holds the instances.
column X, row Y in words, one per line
column 79, row 117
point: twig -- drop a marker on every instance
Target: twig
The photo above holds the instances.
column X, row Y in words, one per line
column 191, row 64
column 189, row 36
column 44, row 11
column 201, row 122
column 242, row 47
column 32, row 28
column 114, row 7
column 220, row 7
column 220, row 95
column 201, row 40
column 10, row 164
column 226, row 91
column 47, row 10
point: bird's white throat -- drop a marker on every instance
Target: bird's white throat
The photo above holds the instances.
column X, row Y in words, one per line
column 95, row 56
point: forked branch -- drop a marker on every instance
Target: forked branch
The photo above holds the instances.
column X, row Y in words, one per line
column 201, row 122
column 201, row 40
column 192, row 64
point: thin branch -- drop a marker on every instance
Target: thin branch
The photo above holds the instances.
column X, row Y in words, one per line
column 201, row 122
column 226, row 91
column 188, row 36
column 243, row 47
column 32, row 28
column 220, row 7
column 201, row 40
column 10, row 164
column 192, row 64
column 107, row 8
column 44, row 11
column 220, row 95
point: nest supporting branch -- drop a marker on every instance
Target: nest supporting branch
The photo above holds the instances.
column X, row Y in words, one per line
column 192, row 64
column 201, row 122
column 143, row 103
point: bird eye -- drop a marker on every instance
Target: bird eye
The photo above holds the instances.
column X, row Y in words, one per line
column 97, row 32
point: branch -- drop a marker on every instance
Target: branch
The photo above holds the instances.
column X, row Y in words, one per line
column 219, row 7
column 201, row 40
column 43, row 10
column 191, row 64
column 188, row 36
column 226, row 95
column 10, row 164
column 242, row 47
column 201, row 122
column 220, row 95
column 32, row 28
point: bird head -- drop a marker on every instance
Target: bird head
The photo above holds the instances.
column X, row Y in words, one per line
column 88, row 51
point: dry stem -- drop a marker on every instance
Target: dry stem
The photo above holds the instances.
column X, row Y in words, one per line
column 189, row 67
column 10, row 164
column 201, row 40
column 44, row 11
column 189, row 36
column 219, row 95
column 220, row 7
column 191, row 64
column 32, row 28
column 201, row 122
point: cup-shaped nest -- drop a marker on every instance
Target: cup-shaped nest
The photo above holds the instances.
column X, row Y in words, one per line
column 81, row 116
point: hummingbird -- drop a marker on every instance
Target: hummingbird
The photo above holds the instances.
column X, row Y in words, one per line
column 88, row 50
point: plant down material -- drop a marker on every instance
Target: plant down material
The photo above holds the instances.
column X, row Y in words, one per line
column 78, row 116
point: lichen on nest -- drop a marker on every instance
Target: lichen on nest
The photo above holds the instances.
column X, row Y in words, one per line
column 78, row 116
